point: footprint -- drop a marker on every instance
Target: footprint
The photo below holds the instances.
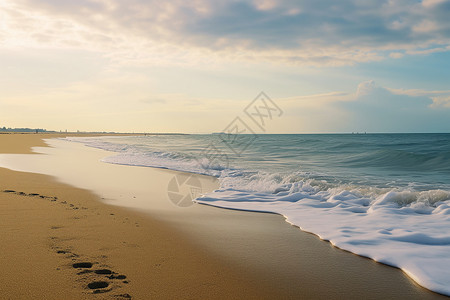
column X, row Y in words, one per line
column 98, row 285
column 103, row 272
column 120, row 277
column 9, row 191
column 84, row 265
column 33, row 194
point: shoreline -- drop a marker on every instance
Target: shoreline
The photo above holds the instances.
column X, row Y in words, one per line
column 285, row 218
column 287, row 260
column 70, row 225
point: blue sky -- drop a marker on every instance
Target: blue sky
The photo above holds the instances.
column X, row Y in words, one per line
column 192, row 66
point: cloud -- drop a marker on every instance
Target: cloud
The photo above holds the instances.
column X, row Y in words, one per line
column 265, row 5
column 431, row 3
column 369, row 108
column 379, row 109
column 396, row 55
column 428, row 51
column 426, row 26
column 441, row 101
column 203, row 31
column 439, row 98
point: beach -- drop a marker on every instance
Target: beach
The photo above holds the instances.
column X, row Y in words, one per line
column 49, row 223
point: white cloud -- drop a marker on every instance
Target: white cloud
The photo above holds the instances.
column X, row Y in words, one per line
column 379, row 109
column 205, row 31
column 439, row 98
column 371, row 108
column 365, row 88
column 431, row 3
column 265, row 4
column 426, row 26
column 293, row 11
column 441, row 101
column 396, row 55
column 428, row 51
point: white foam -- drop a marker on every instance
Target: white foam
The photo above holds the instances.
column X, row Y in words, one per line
column 404, row 229
column 133, row 156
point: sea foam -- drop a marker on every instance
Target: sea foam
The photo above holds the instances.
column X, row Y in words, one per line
column 405, row 229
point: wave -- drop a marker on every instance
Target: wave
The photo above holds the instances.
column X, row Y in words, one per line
column 133, row 155
column 399, row 226
column 406, row 160
column 406, row 229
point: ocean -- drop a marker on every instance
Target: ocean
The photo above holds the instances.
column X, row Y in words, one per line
column 382, row 196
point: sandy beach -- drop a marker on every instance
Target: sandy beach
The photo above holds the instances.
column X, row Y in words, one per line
column 62, row 241
column 46, row 227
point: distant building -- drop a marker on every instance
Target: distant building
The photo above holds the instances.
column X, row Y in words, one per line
column 9, row 129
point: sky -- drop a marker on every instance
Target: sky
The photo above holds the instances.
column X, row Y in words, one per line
column 194, row 66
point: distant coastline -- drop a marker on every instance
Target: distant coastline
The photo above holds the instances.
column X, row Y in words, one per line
column 5, row 130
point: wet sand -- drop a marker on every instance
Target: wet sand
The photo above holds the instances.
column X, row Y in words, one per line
column 164, row 251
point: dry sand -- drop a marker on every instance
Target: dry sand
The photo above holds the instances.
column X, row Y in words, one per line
column 208, row 253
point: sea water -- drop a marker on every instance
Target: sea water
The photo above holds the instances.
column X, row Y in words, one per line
column 382, row 196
